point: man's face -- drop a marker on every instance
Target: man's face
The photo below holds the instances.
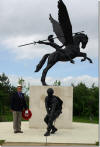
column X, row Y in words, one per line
column 19, row 89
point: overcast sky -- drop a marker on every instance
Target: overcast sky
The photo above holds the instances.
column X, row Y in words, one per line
column 24, row 21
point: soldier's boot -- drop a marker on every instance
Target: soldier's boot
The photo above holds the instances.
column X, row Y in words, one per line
column 54, row 129
column 47, row 133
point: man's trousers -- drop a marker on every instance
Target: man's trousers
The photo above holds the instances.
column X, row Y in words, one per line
column 17, row 115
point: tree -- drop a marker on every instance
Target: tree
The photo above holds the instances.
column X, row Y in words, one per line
column 5, row 92
column 85, row 100
column 4, row 81
column 57, row 83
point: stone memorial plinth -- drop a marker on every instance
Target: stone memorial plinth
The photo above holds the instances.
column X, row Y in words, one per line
column 37, row 106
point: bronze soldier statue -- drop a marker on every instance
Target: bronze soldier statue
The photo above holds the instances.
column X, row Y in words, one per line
column 53, row 106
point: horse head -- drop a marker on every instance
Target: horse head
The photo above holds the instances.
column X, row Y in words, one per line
column 82, row 38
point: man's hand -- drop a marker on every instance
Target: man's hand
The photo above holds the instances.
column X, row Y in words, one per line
column 26, row 111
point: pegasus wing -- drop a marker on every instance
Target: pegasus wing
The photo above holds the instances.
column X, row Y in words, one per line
column 57, row 30
column 65, row 23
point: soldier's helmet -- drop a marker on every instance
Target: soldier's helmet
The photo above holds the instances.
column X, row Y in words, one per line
column 50, row 38
column 50, row 91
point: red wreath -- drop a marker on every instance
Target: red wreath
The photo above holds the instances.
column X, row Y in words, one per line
column 28, row 115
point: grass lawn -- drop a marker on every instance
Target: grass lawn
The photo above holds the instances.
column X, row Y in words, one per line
column 8, row 117
column 2, row 141
column 85, row 119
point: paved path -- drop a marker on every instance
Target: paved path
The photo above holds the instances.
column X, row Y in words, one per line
column 82, row 133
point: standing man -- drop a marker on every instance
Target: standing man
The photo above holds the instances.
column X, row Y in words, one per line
column 53, row 106
column 18, row 103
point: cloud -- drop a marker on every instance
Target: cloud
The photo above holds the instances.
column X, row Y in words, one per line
column 35, row 51
column 26, row 21
column 19, row 17
column 88, row 80
column 28, row 80
column 91, row 48
column 67, row 81
column 26, row 52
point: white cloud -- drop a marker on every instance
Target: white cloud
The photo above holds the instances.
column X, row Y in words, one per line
column 31, row 17
column 25, row 21
column 29, row 80
column 91, row 48
column 29, row 51
column 88, row 80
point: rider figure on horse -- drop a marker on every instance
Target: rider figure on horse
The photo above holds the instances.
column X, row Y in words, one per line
column 57, row 47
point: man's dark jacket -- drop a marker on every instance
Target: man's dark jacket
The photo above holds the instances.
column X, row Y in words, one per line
column 17, row 102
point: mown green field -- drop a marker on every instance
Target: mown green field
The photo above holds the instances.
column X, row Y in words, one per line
column 2, row 141
column 8, row 117
column 86, row 119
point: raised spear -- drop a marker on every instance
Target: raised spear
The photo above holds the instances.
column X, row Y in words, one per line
column 33, row 42
column 42, row 40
